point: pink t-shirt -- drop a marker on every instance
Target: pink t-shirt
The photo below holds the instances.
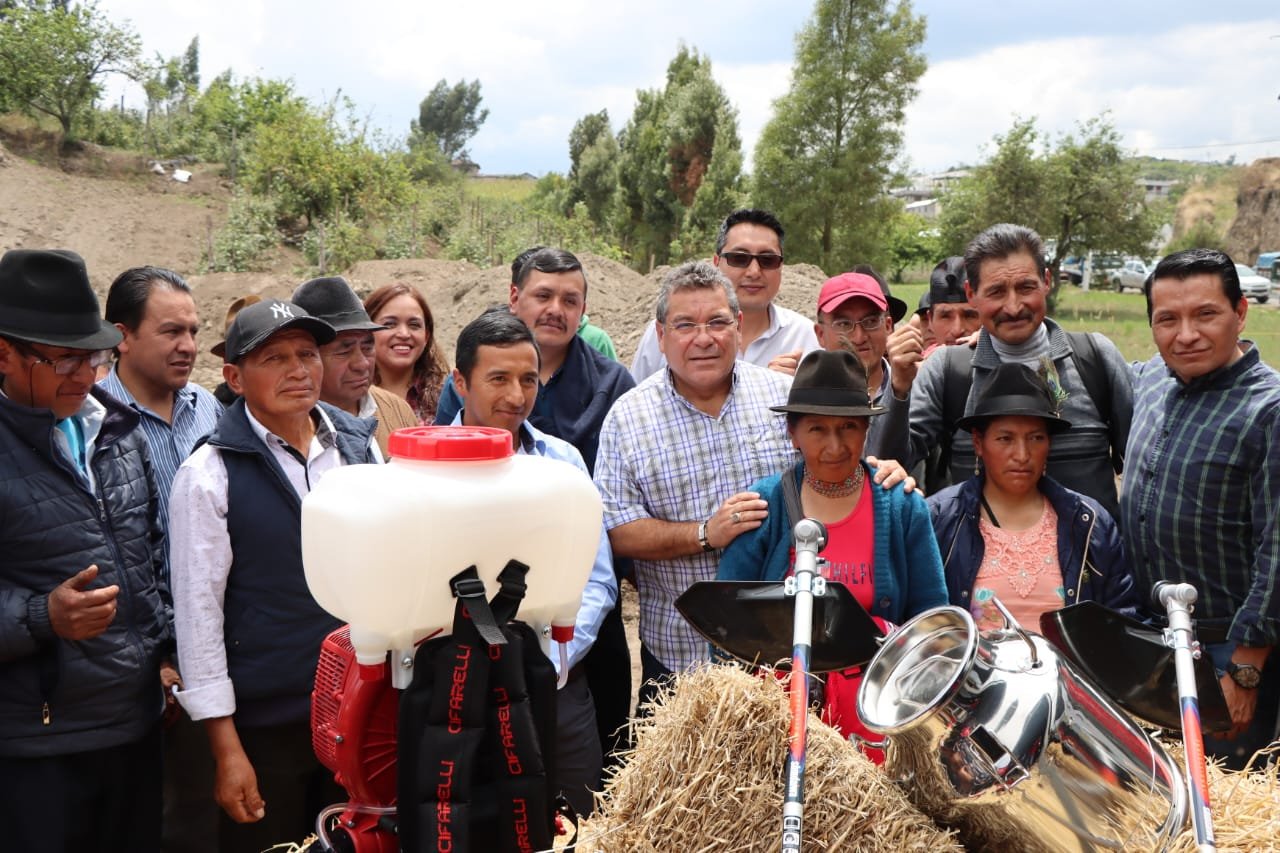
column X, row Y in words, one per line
column 850, row 556
column 1021, row 567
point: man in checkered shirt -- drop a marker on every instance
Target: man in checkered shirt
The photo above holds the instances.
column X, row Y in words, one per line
column 678, row 451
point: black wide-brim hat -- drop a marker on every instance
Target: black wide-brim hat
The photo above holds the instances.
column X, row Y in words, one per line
column 830, row 382
column 255, row 325
column 946, row 282
column 331, row 299
column 1014, row 390
column 897, row 308
column 46, row 298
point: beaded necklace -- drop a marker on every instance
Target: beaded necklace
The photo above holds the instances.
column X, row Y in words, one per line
column 841, row 489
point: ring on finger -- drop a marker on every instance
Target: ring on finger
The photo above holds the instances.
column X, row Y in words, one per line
column 736, row 518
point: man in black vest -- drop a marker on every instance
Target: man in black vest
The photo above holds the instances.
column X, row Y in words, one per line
column 249, row 632
column 83, row 619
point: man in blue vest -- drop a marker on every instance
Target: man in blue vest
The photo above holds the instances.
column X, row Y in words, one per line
column 83, row 619
column 249, row 632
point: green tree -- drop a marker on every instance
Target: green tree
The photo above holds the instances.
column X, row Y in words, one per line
column 1081, row 194
column 912, row 244
column 53, row 59
column 679, row 163
column 823, row 161
column 593, row 167
column 450, row 115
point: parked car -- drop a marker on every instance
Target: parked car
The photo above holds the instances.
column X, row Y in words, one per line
column 1132, row 275
column 1252, row 285
column 1102, row 270
column 1268, row 266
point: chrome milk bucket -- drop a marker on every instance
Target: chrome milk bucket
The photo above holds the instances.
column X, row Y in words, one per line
column 996, row 735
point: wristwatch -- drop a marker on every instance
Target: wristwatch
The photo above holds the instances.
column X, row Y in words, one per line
column 1245, row 675
column 702, row 537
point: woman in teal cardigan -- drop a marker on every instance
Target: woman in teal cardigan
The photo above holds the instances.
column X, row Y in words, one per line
column 880, row 543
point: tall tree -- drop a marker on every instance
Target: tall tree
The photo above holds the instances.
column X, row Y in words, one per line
column 593, row 166
column 450, row 115
column 823, row 161
column 679, row 156
column 53, row 59
column 1081, row 194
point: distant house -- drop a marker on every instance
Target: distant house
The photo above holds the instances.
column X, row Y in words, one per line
column 922, row 197
column 927, row 208
column 1155, row 188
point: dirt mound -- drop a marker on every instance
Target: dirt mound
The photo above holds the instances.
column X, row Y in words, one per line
column 1256, row 227
column 112, row 223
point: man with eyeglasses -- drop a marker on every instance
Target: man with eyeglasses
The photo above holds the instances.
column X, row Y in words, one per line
column 84, row 618
column 678, row 453
column 749, row 254
column 348, row 358
column 854, row 314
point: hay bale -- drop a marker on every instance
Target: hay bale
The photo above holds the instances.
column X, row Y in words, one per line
column 1245, row 806
column 706, row 775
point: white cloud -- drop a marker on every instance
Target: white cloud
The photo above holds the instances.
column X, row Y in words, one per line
column 1163, row 90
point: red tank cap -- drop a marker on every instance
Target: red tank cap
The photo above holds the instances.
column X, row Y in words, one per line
column 450, row 443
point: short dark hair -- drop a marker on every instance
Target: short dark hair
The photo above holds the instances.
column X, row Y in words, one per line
column 520, row 259
column 1182, row 265
column 496, row 327
column 753, row 215
column 549, row 260
column 127, row 297
column 1001, row 241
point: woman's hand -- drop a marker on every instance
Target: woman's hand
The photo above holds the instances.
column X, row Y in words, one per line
column 889, row 473
column 738, row 514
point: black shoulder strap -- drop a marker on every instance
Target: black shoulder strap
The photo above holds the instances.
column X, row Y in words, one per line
column 1088, row 363
column 957, row 379
column 791, row 497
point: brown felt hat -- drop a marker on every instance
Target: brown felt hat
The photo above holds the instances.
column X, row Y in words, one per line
column 830, row 382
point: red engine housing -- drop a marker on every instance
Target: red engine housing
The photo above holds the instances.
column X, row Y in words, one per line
column 354, row 721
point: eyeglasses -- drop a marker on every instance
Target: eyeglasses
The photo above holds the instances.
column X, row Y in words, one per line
column 742, row 260
column 67, row 364
column 715, row 327
column 844, row 325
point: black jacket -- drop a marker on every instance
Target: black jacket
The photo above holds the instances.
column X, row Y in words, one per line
column 1089, row 551
column 103, row 691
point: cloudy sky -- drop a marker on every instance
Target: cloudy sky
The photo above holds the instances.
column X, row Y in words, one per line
column 1181, row 78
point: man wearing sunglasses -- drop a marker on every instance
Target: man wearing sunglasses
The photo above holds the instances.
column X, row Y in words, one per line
column 749, row 254
column 84, row 623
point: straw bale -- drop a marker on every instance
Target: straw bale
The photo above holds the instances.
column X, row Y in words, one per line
column 706, row 775
column 1245, row 807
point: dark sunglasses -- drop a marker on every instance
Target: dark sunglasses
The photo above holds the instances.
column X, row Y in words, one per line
column 742, row 260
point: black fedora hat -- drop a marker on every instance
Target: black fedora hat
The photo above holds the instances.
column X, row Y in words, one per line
column 332, row 300
column 255, row 324
column 1014, row 390
column 946, row 282
column 46, row 298
column 830, row 382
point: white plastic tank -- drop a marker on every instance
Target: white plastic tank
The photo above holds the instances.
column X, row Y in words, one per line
column 381, row 542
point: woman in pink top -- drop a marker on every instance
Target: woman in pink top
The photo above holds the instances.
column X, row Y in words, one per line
column 1010, row 532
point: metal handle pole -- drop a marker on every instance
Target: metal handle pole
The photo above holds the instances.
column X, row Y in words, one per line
column 810, row 538
column 1177, row 600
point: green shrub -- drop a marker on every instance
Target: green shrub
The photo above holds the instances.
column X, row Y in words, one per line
column 247, row 235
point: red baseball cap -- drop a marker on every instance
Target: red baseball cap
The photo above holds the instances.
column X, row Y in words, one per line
column 836, row 291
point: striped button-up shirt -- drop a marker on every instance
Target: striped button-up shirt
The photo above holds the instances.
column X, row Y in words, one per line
column 1201, row 497
column 195, row 414
column 662, row 458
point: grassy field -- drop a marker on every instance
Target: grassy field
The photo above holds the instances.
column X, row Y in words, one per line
column 499, row 189
column 1122, row 317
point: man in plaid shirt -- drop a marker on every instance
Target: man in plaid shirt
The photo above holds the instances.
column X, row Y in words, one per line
column 676, row 454
column 1201, row 497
